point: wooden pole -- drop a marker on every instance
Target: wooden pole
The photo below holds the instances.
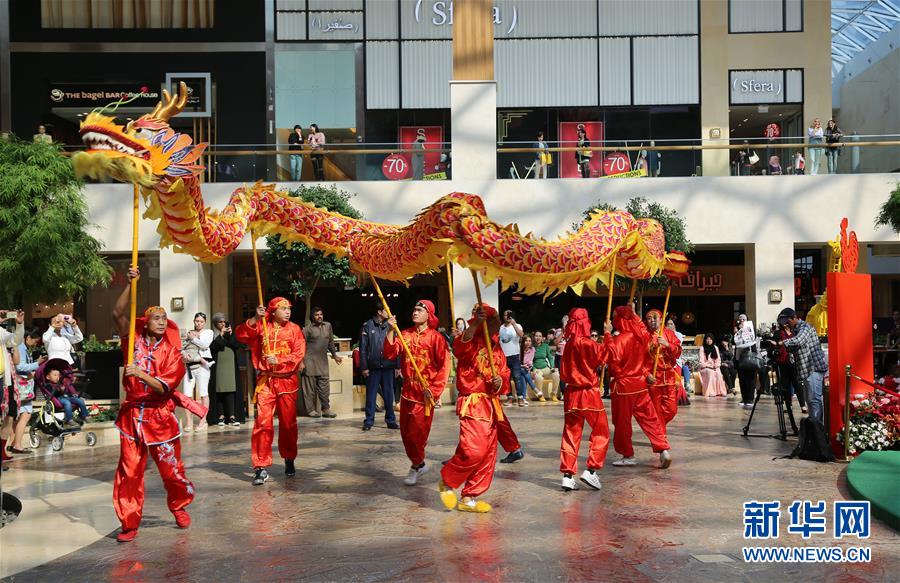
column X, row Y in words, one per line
column 633, row 291
column 450, row 288
column 662, row 326
column 487, row 334
column 609, row 301
column 259, row 292
column 403, row 343
column 132, row 315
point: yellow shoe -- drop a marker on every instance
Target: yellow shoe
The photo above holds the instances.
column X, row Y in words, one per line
column 541, row 399
column 473, row 505
column 448, row 496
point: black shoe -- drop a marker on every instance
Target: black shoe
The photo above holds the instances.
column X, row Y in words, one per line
column 260, row 477
column 513, row 457
column 367, row 428
column 393, row 426
column 329, row 414
column 289, row 470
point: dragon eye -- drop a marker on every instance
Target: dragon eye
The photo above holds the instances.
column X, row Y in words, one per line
column 144, row 133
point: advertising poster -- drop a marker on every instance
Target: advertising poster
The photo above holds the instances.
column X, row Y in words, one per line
column 568, row 165
column 434, row 138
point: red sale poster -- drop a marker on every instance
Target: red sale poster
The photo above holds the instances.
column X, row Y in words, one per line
column 434, row 137
column 568, row 165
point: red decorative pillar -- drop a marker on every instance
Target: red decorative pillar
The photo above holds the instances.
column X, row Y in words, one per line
column 849, row 342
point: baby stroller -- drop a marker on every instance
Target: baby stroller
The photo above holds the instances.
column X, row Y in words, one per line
column 49, row 420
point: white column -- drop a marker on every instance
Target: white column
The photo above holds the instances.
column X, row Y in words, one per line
column 473, row 130
column 180, row 276
column 464, row 297
column 773, row 269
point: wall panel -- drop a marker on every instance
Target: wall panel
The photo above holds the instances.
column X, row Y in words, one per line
column 545, row 73
column 666, row 70
column 646, row 17
column 383, row 75
column 427, row 69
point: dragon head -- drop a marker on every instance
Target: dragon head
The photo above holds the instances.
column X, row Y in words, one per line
column 146, row 151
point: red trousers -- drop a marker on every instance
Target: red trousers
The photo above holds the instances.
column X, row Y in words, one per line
column 571, row 440
column 507, row 437
column 414, row 429
column 665, row 400
column 639, row 406
column 267, row 404
column 128, row 487
column 475, row 457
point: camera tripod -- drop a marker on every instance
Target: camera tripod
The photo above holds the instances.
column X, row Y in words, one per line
column 778, row 394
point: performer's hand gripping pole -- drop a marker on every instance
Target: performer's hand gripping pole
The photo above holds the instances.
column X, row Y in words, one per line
column 487, row 334
column 609, row 302
column 429, row 399
column 132, row 315
column 260, row 293
column 662, row 326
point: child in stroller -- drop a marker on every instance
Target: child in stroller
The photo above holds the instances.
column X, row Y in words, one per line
column 56, row 381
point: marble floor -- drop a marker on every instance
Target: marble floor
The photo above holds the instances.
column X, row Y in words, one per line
column 347, row 516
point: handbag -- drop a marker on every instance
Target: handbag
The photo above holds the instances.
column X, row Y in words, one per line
column 754, row 158
column 25, row 389
column 546, row 158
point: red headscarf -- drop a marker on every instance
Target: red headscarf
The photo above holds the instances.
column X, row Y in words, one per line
column 625, row 320
column 579, row 324
column 432, row 316
column 274, row 304
column 490, row 313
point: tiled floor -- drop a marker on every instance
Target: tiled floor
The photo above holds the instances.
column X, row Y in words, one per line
column 348, row 517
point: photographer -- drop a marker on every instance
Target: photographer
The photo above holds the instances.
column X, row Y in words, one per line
column 787, row 372
column 226, row 377
column 61, row 337
column 809, row 360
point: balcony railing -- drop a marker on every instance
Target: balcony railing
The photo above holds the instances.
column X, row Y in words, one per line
column 518, row 160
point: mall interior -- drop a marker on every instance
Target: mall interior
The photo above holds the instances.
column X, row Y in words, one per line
column 701, row 106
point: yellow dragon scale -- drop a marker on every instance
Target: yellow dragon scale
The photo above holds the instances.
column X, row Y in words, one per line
column 454, row 228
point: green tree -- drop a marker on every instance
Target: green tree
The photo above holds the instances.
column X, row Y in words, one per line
column 673, row 226
column 890, row 212
column 296, row 270
column 46, row 253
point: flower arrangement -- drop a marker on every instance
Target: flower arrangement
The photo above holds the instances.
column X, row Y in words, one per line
column 101, row 413
column 874, row 422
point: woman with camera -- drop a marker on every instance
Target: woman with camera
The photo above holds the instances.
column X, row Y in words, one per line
column 225, row 348
column 199, row 362
column 61, row 337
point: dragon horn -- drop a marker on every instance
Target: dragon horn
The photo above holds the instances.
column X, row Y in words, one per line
column 173, row 104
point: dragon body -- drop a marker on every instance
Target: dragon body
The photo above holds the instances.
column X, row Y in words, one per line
column 164, row 163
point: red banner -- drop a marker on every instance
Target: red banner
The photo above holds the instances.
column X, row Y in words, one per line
column 568, row 136
column 395, row 167
column 434, row 138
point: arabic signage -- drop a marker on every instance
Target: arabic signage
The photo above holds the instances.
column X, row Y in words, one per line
column 568, row 165
column 721, row 280
column 766, row 86
column 335, row 25
column 199, row 86
column 91, row 95
column 440, row 13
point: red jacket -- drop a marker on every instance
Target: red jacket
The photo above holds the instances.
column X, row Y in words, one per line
column 625, row 354
column 665, row 369
column 580, row 362
column 473, row 378
column 285, row 342
column 429, row 349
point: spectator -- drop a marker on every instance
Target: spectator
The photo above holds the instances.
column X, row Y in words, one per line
column 61, row 336
column 583, row 154
column 833, row 135
column 8, row 401
column 543, row 157
column 528, row 367
column 295, row 144
column 809, row 359
column 226, row 374
column 198, row 361
column 460, row 325
column 815, row 136
column 544, row 367
column 654, row 161
column 42, row 137
column 377, row 370
column 418, row 156
column 24, row 387
column 744, row 336
column 743, row 161
column 726, row 353
column 774, row 166
column 316, row 142
column 560, row 345
column 712, row 383
column 799, row 163
column 319, row 344
column 680, row 364
column 63, row 390
column 511, row 334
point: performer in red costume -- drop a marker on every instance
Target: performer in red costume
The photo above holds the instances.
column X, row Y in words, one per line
column 146, row 421
column 663, row 391
column 479, row 410
column 429, row 349
column 583, row 401
column 277, row 358
column 625, row 355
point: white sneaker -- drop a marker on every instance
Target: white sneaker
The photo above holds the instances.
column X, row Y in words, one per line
column 569, row 483
column 665, row 459
column 625, row 461
column 591, row 479
column 413, row 476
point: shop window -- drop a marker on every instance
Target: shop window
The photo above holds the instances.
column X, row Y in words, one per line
column 808, row 281
column 91, row 14
column 95, row 310
column 765, row 16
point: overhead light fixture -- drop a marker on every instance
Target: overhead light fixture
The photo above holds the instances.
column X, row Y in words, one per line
column 746, row 119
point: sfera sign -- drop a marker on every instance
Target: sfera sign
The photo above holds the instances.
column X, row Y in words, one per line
column 754, row 86
column 766, row 86
column 440, row 13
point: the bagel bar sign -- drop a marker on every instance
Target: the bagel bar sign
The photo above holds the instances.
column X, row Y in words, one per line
column 97, row 94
